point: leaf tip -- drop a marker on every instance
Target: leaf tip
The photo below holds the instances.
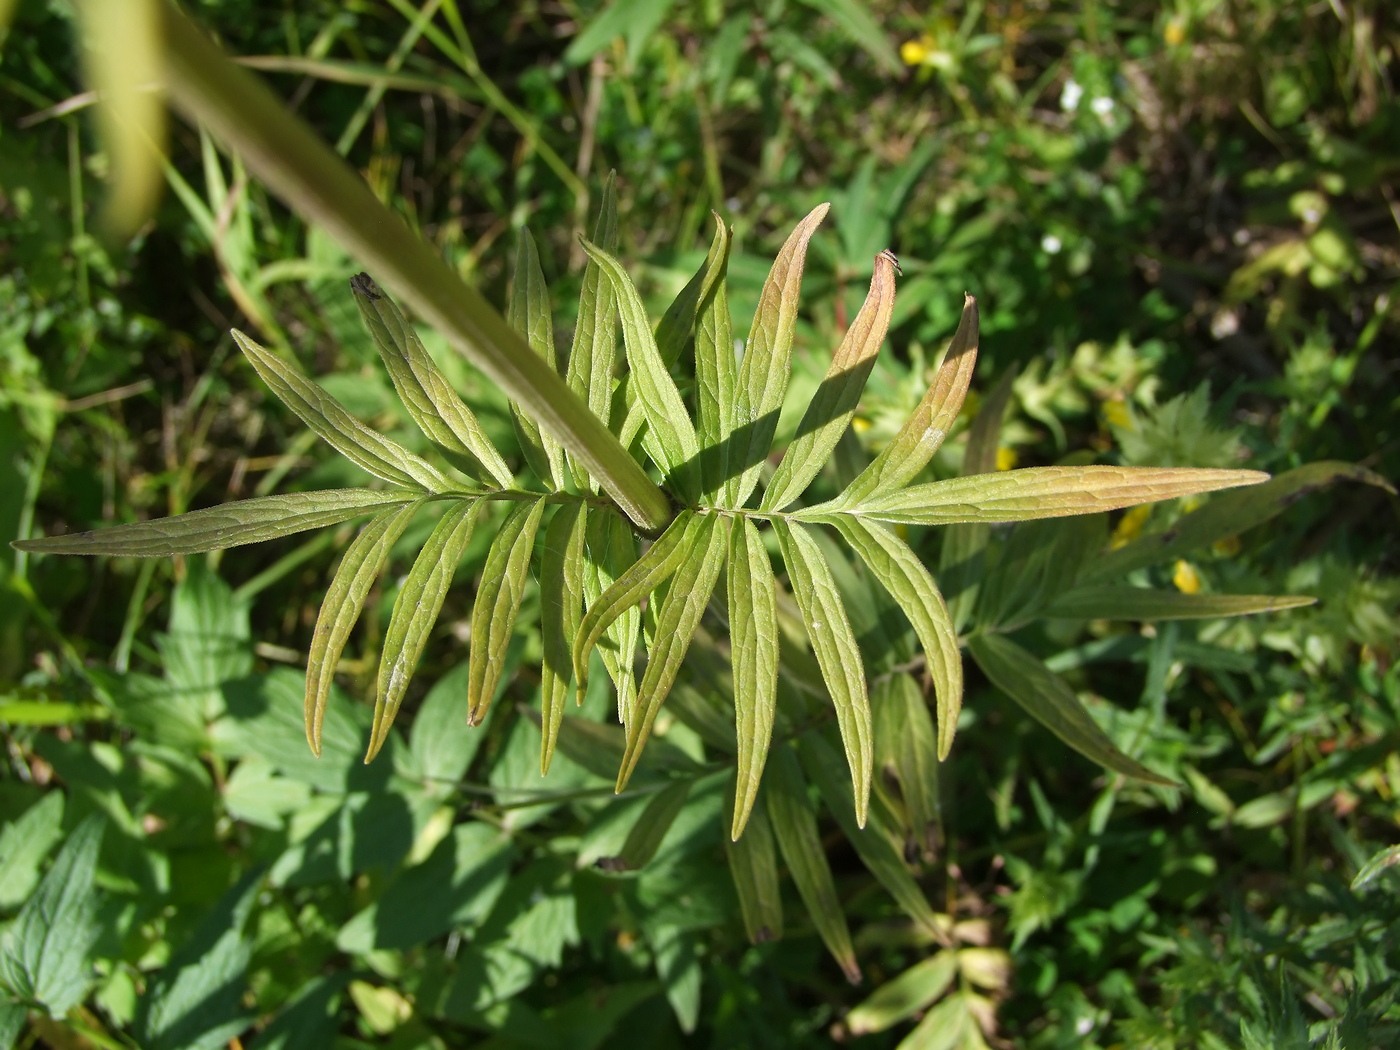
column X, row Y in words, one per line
column 362, row 284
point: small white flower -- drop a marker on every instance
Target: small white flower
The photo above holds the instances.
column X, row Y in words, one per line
column 1051, row 244
column 1070, row 96
column 1102, row 106
column 1084, row 1025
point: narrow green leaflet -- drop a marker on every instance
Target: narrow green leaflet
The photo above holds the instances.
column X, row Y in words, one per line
column 836, row 649
column 1379, row 863
column 1039, row 561
column 706, row 544
column 1143, row 603
column 678, row 321
column 594, row 351
column 907, row 747
column 763, row 374
column 424, row 390
column 753, row 865
column 229, row 525
column 900, row 999
column 529, row 313
column 345, row 599
column 611, row 550
column 831, row 408
column 561, row 610
column 753, row 653
column 920, row 437
column 900, row 572
column 715, row 368
column 645, row 837
column 498, row 602
column 337, row 427
column 1041, row 492
column 1047, row 698
column 795, row 828
column 415, row 611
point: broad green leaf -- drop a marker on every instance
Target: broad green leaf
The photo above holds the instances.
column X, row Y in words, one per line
column 901, row 998
column 948, row 1026
column 424, row 390
column 594, row 352
column 670, row 437
column 229, row 525
column 753, row 653
column 645, row 837
column 612, row 550
column 753, row 865
column 529, row 313
column 706, row 544
column 795, row 827
column 25, row 843
column 920, row 437
column 627, row 591
column 1047, row 698
column 337, row 427
column 763, row 374
column 906, row 747
column 1228, row 515
column 498, row 603
column 678, row 965
column 441, row 744
column 836, row 649
column 1041, row 492
column 715, row 367
column 561, row 610
column 345, row 598
column 832, row 406
column 900, row 572
column 415, row 611
column 1143, row 603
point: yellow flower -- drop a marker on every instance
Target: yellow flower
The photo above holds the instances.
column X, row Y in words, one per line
column 1185, row 577
column 1115, row 413
column 860, row 424
column 1130, row 526
column 916, row 52
column 1007, row 458
column 1229, row 546
column 1175, row 32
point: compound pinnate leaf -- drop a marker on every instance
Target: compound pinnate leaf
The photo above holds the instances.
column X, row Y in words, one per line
column 753, row 865
column 218, row 528
column 831, row 408
column 1143, row 603
column 1040, row 492
column 1047, row 698
column 900, row 572
column 904, row 996
column 498, row 602
column 753, row 648
column 706, row 543
column 594, row 351
column 836, row 649
column 923, row 433
column 561, row 610
column 795, row 828
column 345, row 598
column 337, row 427
column 415, row 611
column 528, row 312
column 763, row 374
column 424, row 390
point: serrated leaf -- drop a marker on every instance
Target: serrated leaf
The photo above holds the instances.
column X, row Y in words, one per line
column 753, row 653
column 345, row 598
column 612, row 550
column 706, row 544
column 906, row 745
column 795, row 828
column 25, row 843
column 900, row 572
column 901, row 998
column 594, row 351
column 415, row 611
column 645, row 837
column 923, row 433
column 218, row 528
column 836, row 649
column 753, row 865
column 715, row 367
column 1143, row 603
column 529, row 313
column 1047, row 698
column 561, row 611
column 832, row 406
column 763, row 374
column 498, row 603
column 424, row 390
column 337, row 427
column 1040, row 492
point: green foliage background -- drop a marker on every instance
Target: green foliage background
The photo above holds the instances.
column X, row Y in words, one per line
column 1180, row 224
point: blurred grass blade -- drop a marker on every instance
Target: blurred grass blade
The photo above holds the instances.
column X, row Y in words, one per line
column 1047, row 698
column 530, row 313
column 753, row 653
column 345, row 598
column 906, row 744
column 1379, row 863
column 424, row 390
column 611, row 549
column 706, row 544
column 218, row 528
column 594, row 351
column 627, row 591
column 498, row 602
column 415, row 611
column 1042, row 492
column 900, row 572
column 1143, row 603
column 1229, row 515
column 763, row 374
column 753, row 865
column 715, row 378
column 916, row 989
column 645, row 837
column 920, row 437
column 795, row 827
column 831, row 408
column 857, row 22
column 561, row 610
column 337, row 427
column 836, row 649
